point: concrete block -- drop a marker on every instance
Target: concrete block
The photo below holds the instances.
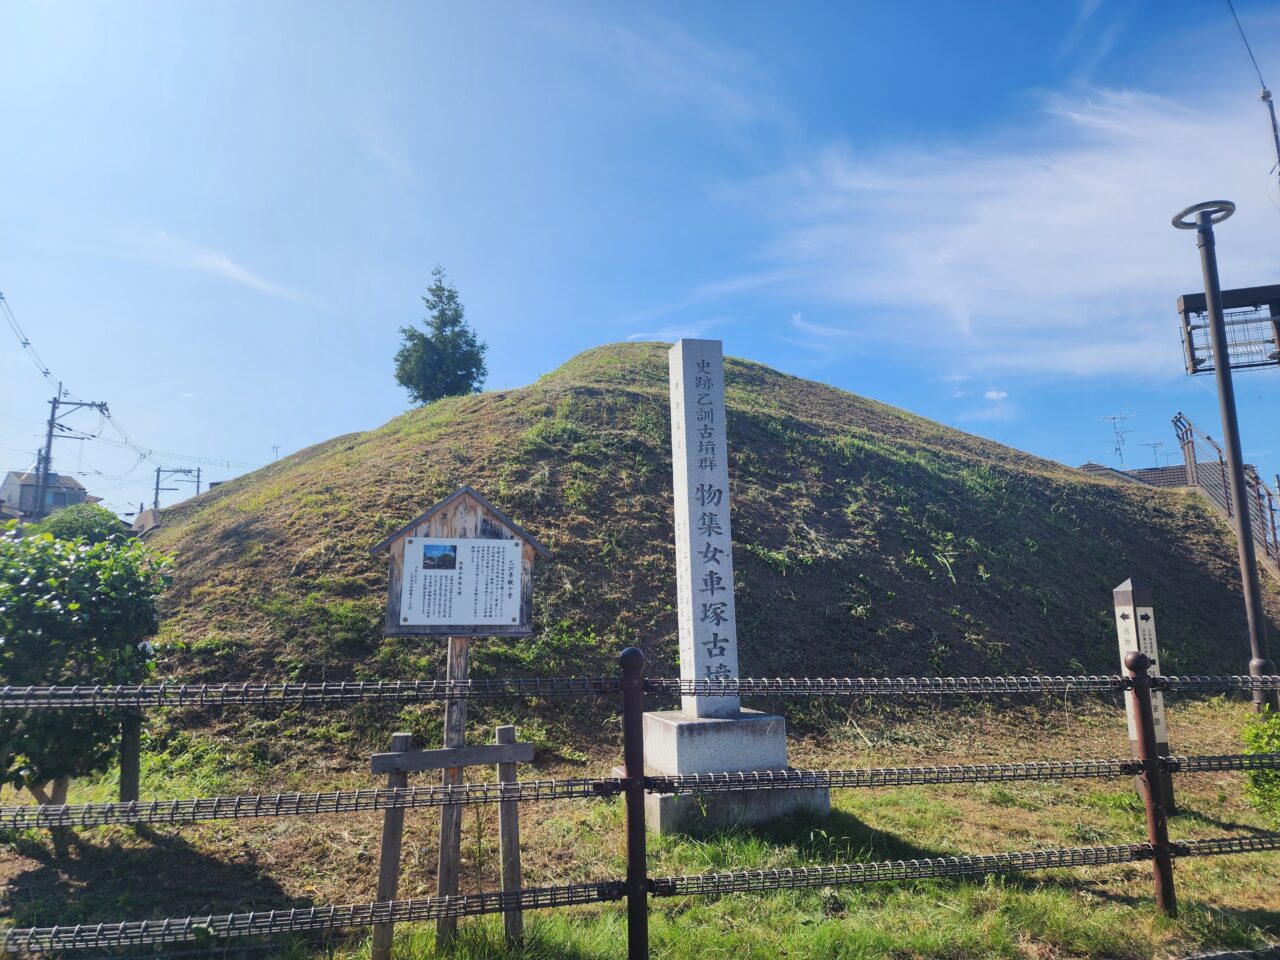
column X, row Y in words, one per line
column 677, row 744
column 689, row 813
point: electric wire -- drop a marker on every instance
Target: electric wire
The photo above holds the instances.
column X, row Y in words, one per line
column 1232, row 7
column 24, row 341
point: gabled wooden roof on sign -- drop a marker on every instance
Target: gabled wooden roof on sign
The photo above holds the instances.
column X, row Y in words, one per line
column 464, row 491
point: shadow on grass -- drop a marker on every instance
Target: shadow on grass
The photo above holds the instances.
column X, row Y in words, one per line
column 125, row 877
column 840, row 837
column 1234, row 826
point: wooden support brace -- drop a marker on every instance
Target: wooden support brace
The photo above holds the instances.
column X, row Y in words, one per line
column 500, row 753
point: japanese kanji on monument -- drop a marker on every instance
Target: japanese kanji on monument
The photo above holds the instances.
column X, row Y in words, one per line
column 704, row 553
column 711, row 733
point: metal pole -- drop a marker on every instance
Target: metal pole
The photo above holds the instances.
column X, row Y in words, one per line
column 1255, row 614
column 637, row 883
column 1137, row 663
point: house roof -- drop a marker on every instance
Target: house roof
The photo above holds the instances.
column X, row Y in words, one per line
column 55, row 479
column 465, row 490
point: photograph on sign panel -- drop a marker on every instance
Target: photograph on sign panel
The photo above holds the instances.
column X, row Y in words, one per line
column 439, row 556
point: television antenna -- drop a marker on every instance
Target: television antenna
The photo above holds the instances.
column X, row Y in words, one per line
column 1155, row 450
column 1116, row 423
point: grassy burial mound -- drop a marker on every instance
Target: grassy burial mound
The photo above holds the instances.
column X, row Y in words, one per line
column 868, row 540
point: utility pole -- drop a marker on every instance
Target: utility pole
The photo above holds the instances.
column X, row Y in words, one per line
column 44, row 463
column 1206, row 215
column 163, row 473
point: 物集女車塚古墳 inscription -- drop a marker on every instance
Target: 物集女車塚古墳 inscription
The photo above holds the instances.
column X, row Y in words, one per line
column 704, row 553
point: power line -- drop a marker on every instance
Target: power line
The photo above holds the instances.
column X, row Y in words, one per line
column 127, row 442
column 1232, row 7
column 23, row 340
column 1265, row 95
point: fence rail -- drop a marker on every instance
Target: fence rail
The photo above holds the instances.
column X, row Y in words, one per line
column 250, row 806
column 268, row 694
column 286, row 694
column 744, row 881
column 43, row 940
column 969, row 773
column 40, row 940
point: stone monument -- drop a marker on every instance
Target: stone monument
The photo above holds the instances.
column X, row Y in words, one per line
column 710, row 734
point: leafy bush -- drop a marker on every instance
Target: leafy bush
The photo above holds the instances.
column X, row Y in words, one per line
column 1262, row 787
column 88, row 520
column 71, row 612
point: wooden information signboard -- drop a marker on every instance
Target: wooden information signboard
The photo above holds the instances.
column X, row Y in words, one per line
column 463, row 569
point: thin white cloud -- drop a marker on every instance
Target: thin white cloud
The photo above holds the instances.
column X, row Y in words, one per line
column 665, row 59
column 995, row 394
column 819, row 330
column 385, row 149
column 995, row 412
column 176, row 252
column 693, row 331
column 1049, row 253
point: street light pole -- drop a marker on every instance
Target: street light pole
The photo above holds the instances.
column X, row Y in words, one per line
column 1206, row 215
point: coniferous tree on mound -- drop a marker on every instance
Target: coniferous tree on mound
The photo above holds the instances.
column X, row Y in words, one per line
column 446, row 360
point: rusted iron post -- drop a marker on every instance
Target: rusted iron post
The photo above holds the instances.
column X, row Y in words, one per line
column 1138, row 663
column 509, row 840
column 389, row 857
column 637, row 883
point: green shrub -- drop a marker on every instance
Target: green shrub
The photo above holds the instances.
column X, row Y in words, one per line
column 71, row 612
column 87, row 520
column 1262, row 787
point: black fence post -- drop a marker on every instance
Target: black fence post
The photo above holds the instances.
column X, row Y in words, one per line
column 1137, row 663
column 637, row 883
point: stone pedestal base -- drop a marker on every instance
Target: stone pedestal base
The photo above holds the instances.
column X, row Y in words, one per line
column 690, row 813
column 676, row 744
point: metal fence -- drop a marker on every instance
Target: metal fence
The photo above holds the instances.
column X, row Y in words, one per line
column 637, row 888
column 1206, row 466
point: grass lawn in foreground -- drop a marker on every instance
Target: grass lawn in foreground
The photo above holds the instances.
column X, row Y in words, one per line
column 112, row 873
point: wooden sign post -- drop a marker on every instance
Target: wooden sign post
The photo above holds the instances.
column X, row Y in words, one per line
column 463, row 569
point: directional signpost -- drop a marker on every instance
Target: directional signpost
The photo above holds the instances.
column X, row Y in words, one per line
column 1136, row 630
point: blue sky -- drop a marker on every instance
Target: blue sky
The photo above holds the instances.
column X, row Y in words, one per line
column 216, row 216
